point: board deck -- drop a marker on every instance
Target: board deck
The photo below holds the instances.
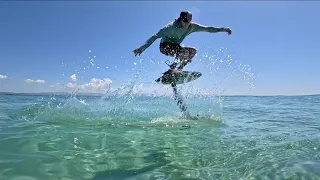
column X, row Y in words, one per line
column 178, row 77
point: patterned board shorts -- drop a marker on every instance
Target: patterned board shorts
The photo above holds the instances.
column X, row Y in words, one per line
column 172, row 49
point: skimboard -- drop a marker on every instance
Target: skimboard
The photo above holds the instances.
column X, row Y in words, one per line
column 178, row 77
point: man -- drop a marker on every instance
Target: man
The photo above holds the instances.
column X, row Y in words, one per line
column 173, row 34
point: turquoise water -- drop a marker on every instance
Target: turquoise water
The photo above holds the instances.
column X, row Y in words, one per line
column 144, row 137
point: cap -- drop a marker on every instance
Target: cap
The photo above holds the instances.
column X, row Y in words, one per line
column 185, row 16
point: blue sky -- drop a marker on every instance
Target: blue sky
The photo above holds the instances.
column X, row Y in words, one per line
column 274, row 45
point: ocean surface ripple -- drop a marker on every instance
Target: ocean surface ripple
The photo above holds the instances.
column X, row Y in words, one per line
column 145, row 137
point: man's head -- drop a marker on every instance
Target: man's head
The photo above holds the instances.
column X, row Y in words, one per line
column 185, row 18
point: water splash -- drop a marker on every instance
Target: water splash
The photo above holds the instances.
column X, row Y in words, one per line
column 225, row 73
column 140, row 98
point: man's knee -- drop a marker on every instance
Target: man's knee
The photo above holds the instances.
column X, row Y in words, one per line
column 192, row 51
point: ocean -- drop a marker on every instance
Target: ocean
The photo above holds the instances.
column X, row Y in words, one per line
column 131, row 136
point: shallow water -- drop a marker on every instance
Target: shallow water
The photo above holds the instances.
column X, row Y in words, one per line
column 144, row 137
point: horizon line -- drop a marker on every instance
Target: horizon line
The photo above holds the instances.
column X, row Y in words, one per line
column 100, row 94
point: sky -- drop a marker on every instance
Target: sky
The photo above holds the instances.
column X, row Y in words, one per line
column 87, row 46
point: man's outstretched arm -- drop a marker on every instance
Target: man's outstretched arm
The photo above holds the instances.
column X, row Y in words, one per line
column 161, row 33
column 210, row 29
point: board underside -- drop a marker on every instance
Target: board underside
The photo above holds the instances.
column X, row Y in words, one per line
column 179, row 77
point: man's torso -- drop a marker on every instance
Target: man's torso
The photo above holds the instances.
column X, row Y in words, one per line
column 176, row 33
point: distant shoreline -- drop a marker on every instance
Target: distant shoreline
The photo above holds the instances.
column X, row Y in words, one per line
column 51, row 94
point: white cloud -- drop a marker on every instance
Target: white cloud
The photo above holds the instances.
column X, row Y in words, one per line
column 34, row 81
column 71, row 85
column 73, row 77
column 94, row 86
column 97, row 85
column 3, row 76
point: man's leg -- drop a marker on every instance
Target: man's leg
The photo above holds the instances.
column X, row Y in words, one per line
column 186, row 55
column 183, row 55
column 172, row 50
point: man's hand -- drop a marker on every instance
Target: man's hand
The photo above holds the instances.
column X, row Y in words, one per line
column 229, row 31
column 137, row 52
